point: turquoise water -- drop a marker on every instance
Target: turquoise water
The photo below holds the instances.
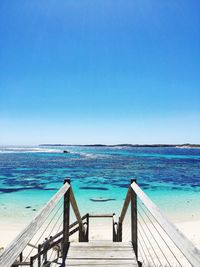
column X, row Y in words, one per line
column 29, row 176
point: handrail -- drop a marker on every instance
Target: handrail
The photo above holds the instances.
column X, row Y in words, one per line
column 76, row 210
column 50, row 243
column 61, row 232
column 125, row 206
column 188, row 249
column 33, row 246
column 12, row 251
column 100, row 215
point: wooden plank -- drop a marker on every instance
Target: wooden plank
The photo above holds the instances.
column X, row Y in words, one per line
column 101, row 244
column 130, row 249
column 106, row 263
column 134, row 236
column 33, row 246
column 12, row 251
column 103, row 262
column 125, row 206
column 16, row 264
column 87, row 228
column 61, row 232
column 45, row 250
column 101, row 215
column 101, row 254
column 76, row 210
column 188, row 249
column 123, row 213
column 66, row 220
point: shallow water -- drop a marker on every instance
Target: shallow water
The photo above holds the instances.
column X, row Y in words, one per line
column 29, row 176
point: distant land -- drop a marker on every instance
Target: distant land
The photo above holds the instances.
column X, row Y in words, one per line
column 130, row 145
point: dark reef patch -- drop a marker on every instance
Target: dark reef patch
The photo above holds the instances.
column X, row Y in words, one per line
column 12, row 190
column 93, row 188
column 102, row 199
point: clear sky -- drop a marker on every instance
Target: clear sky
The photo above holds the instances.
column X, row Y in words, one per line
column 99, row 71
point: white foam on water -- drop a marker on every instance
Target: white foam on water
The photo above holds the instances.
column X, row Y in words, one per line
column 6, row 150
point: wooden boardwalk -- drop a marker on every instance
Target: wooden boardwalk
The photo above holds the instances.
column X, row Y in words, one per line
column 155, row 241
column 101, row 253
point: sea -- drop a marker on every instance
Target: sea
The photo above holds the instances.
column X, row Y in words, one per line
column 100, row 177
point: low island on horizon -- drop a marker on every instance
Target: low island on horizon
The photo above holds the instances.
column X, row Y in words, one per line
column 187, row 145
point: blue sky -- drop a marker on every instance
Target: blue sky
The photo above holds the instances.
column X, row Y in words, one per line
column 93, row 71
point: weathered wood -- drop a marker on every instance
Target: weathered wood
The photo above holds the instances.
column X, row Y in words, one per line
column 60, row 233
column 31, row 245
column 76, row 222
column 74, row 231
column 25, row 263
column 134, row 234
column 114, row 228
column 21, row 257
column 119, row 231
column 188, row 249
column 123, row 213
column 66, row 219
column 78, row 216
column 12, row 251
column 31, row 261
column 102, row 243
column 102, row 248
column 87, row 228
column 97, row 254
column 125, row 206
column 105, row 263
column 101, row 254
column 101, row 215
column 39, row 256
column 75, row 208
column 45, row 250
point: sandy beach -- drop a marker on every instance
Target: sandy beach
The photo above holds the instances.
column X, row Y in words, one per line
column 102, row 229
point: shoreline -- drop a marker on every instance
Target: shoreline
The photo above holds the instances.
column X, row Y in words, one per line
column 185, row 213
column 100, row 228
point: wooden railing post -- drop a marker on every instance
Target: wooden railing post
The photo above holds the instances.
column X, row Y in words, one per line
column 134, row 236
column 87, row 230
column 119, row 231
column 66, row 220
column 21, row 257
column 115, row 235
column 81, row 235
column 39, row 256
column 31, row 261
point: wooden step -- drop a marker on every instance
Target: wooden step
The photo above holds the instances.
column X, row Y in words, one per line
column 101, row 253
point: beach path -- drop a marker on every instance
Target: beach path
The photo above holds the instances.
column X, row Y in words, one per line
column 101, row 253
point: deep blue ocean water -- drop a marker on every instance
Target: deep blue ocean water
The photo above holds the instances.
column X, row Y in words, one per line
column 29, row 176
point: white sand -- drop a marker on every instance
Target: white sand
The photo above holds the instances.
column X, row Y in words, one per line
column 9, row 232
column 191, row 230
column 101, row 229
